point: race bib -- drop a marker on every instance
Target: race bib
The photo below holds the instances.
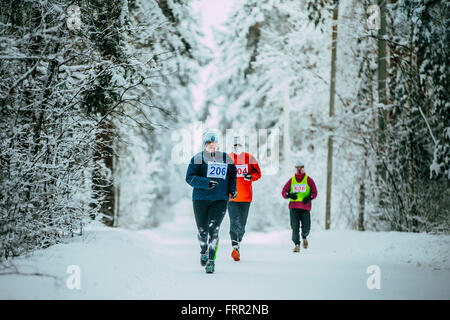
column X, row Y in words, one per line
column 217, row 170
column 241, row 170
column 299, row 188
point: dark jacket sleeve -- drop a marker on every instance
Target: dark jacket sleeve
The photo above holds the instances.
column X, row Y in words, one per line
column 286, row 188
column 312, row 187
column 231, row 174
column 193, row 177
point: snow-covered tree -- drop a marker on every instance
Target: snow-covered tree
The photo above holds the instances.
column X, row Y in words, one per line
column 46, row 136
column 406, row 152
column 387, row 140
column 76, row 90
column 163, row 39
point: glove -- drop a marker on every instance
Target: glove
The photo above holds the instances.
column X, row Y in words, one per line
column 292, row 196
column 248, row 176
column 212, row 184
column 233, row 195
column 307, row 199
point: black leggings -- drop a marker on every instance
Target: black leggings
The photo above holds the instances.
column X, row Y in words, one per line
column 238, row 212
column 297, row 216
column 208, row 217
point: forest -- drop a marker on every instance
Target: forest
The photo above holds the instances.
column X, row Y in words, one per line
column 92, row 93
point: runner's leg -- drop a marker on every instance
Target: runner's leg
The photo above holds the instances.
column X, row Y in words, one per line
column 306, row 223
column 201, row 220
column 295, row 225
column 216, row 213
column 233, row 212
column 243, row 215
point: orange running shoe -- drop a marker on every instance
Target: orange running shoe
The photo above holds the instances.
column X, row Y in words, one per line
column 235, row 254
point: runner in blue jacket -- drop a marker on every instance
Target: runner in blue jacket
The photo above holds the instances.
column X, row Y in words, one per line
column 212, row 174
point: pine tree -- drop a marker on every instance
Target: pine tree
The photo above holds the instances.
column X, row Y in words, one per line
column 164, row 45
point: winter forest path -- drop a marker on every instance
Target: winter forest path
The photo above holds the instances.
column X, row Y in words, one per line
column 333, row 267
column 163, row 263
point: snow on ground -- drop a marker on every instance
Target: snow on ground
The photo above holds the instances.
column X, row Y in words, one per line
column 164, row 264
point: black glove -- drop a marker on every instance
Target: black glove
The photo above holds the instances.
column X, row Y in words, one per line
column 233, row 195
column 248, row 176
column 212, row 184
column 292, row 196
column 307, row 199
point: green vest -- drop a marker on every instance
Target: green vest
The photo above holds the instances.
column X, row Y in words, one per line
column 302, row 188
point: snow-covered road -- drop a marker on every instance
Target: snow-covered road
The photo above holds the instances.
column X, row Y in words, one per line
column 164, row 264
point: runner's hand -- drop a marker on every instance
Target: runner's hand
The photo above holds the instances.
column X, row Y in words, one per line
column 307, row 199
column 292, row 196
column 248, row 176
column 233, row 195
column 212, row 184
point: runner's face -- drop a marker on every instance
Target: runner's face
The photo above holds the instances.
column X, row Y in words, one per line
column 211, row 146
column 237, row 149
column 300, row 170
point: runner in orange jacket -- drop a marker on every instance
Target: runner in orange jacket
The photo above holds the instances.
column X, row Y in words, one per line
column 247, row 171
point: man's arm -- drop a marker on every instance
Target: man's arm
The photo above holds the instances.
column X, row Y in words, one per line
column 255, row 171
column 312, row 187
column 286, row 189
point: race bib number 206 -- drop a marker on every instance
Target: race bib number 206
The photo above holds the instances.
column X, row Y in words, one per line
column 217, row 170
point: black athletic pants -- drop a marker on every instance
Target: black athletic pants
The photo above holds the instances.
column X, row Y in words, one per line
column 208, row 217
column 300, row 216
column 238, row 212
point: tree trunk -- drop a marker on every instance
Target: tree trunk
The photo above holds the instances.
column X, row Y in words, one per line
column 332, row 95
column 103, row 186
column 411, row 208
column 117, row 195
column 362, row 194
column 382, row 74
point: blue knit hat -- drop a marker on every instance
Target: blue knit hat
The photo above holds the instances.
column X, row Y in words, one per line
column 209, row 136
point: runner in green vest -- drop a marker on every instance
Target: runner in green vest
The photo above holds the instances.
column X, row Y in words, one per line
column 300, row 189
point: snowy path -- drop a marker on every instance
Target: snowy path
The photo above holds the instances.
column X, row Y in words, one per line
column 164, row 264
